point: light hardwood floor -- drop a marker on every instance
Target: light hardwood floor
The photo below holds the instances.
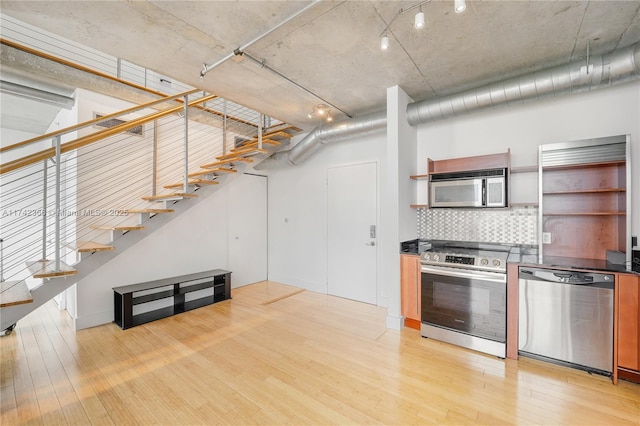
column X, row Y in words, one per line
column 277, row 355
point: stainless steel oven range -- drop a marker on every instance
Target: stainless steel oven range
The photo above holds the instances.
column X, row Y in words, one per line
column 464, row 295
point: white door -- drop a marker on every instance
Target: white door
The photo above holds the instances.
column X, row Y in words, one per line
column 352, row 228
column 247, row 240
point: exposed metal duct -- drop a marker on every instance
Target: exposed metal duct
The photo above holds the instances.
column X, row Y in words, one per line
column 343, row 130
column 607, row 70
column 603, row 71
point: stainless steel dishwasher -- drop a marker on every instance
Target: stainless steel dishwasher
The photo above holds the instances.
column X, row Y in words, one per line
column 567, row 317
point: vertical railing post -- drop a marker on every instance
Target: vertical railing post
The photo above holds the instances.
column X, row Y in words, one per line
column 224, row 126
column 154, row 166
column 1, row 260
column 186, row 143
column 58, row 213
column 44, row 208
column 260, row 132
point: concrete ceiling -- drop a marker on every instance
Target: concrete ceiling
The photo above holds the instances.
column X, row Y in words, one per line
column 333, row 48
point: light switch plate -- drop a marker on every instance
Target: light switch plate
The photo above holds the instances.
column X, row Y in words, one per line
column 546, row 238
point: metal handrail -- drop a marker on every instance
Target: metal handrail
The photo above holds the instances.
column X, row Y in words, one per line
column 43, row 235
column 90, row 123
column 86, row 140
column 112, row 78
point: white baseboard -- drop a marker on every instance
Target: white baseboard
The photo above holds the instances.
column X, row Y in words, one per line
column 394, row 322
column 93, row 320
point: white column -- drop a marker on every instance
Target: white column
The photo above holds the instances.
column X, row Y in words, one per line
column 398, row 163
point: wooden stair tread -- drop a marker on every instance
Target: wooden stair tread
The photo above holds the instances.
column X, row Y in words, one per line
column 151, row 211
column 278, row 134
column 89, row 246
column 210, row 171
column 193, row 182
column 243, row 151
column 254, row 143
column 46, row 269
column 119, row 227
column 227, row 161
column 169, row 196
column 14, row 293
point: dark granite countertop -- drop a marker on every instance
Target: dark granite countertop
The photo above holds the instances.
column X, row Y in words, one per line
column 526, row 255
column 529, row 256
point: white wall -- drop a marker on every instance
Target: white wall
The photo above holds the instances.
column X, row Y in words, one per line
column 194, row 241
column 298, row 211
column 523, row 127
column 297, row 195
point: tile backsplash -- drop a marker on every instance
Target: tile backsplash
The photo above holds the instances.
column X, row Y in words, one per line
column 516, row 225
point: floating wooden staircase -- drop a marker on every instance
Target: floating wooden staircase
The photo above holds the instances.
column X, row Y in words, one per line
column 14, row 293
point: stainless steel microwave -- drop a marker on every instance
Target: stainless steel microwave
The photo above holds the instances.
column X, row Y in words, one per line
column 478, row 188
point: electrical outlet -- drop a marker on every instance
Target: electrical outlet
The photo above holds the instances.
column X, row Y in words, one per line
column 546, row 238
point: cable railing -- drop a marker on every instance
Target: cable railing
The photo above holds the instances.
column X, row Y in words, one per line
column 84, row 189
column 80, row 183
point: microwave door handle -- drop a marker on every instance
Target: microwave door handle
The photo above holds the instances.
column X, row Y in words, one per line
column 484, row 192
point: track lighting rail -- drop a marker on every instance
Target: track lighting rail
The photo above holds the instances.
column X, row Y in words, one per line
column 206, row 68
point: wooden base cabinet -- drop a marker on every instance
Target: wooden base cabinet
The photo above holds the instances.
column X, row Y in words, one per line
column 410, row 289
column 628, row 316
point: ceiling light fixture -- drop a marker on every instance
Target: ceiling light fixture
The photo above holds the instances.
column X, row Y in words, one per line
column 419, row 21
column 384, row 43
column 321, row 111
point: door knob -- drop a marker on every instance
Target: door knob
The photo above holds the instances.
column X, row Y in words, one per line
column 372, row 243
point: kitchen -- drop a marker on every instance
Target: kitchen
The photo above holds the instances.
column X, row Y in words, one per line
column 552, row 301
column 520, row 128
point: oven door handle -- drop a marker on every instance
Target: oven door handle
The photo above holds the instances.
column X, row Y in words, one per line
column 476, row 275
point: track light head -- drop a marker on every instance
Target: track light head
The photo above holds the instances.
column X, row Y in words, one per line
column 384, row 43
column 419, row 21
column 460, row 6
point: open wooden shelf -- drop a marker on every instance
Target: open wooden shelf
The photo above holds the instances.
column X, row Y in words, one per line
column 585, row 166
column 611, row 213
column 584, row 209
column 524, row 169
column 585, row 191
column 419, row 177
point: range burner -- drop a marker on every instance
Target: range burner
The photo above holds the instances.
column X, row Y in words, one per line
column 473, row 256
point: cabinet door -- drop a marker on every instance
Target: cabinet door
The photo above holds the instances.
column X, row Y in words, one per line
column 410, row 286
column 629, row 322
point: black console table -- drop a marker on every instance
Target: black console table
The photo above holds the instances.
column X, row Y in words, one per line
column 141, row 303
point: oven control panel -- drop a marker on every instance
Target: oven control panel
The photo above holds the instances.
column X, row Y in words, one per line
column 460, row 259
column 481, row 261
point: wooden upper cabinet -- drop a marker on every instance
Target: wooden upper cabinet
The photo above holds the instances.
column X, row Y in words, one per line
column 465, row 164
column 629, row 322
column 410, row 289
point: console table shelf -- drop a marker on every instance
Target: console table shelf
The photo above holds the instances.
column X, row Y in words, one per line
column 141, row 303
